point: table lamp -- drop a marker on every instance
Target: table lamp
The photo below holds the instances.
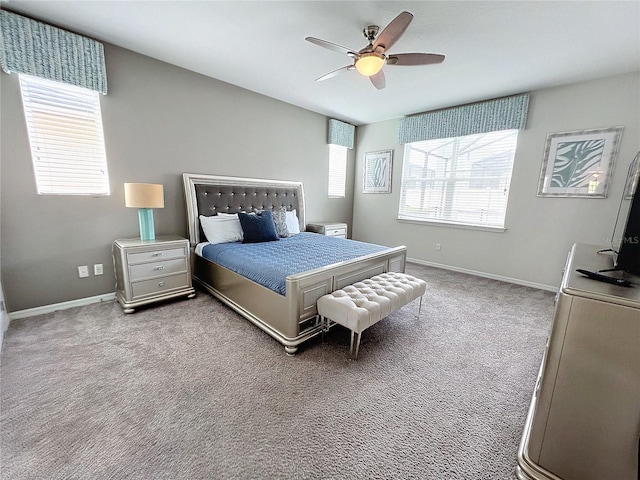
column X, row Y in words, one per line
column 144, row 197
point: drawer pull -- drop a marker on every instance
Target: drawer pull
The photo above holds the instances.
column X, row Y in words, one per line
column 158, row 254
column 159, row 268
column 161, row 284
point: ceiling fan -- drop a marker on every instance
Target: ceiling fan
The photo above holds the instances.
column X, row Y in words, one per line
column 370, row 60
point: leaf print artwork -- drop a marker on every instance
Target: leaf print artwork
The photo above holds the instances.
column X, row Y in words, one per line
column 576, row 163
column 377, row 172
column 579, row 163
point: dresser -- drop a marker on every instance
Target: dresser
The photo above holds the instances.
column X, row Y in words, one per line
column 584, row 418
column 331, row 229
column 151, row 270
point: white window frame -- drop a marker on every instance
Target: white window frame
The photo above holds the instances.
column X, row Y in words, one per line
column 64, row 124
column 441, row 182
column 337, row 171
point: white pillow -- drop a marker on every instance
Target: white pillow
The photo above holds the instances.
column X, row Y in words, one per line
column 222, row 228
column 293, row 224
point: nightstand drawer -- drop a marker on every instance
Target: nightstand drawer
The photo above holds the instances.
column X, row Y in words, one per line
column 157, row 285
column 330, row 229
column 336, row 232
column 154, row 269
column 151, row 255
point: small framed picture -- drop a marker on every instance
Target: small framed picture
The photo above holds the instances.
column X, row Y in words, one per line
column 377, row 172
column 579, row 164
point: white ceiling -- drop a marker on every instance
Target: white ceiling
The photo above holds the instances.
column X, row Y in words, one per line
column 492, row 48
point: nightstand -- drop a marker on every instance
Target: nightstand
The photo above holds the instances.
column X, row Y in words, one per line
column 151, row 270
column 331, row 229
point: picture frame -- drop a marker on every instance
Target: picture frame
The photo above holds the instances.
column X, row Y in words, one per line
column 579, row 163
column 377, row 172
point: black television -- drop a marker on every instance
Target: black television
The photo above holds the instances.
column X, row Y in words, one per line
column 625, row 241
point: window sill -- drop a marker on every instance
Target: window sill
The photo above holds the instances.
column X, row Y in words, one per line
column 437, row 223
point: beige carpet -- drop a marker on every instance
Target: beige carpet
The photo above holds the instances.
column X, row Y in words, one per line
column 190, row 390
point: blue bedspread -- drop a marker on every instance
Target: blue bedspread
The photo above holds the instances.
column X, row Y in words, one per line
column 269, row 263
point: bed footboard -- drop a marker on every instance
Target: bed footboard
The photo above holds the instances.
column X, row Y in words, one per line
column 291, row 319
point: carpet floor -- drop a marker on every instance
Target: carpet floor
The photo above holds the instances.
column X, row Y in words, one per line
column 191, row 390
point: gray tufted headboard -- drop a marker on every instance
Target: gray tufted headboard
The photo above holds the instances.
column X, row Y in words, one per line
column 211, row 194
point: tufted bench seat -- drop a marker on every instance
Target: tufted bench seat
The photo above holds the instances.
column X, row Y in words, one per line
column 365, row 303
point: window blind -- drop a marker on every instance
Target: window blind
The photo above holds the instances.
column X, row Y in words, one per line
column 64, row 124
column 461, row 180
column 337, row 170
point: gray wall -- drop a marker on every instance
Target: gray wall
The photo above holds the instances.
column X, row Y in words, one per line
column 159, row 121
column 540, row 231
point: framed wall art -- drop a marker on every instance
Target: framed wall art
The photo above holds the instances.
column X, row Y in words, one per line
column 579, row 164
column 377, row 172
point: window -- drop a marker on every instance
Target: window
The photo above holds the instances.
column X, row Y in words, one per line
column 64, row 124
column 461, row 180
column 337, row 170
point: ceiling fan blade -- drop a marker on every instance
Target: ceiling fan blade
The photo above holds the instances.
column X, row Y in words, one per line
column 335, row 72
column 393, row 31
column 414, row 59
column 378, row 80
column 332, row 46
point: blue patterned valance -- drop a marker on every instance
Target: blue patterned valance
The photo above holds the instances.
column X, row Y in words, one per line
column 341, row 133
column 509, row 113
column 38, row 49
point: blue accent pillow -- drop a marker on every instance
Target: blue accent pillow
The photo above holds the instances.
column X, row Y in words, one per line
column 258, row 227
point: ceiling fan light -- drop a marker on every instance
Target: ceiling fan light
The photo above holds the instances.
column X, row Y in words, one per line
column 369, row 64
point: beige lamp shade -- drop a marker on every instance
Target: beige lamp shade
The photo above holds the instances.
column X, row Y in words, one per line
column 143, row 195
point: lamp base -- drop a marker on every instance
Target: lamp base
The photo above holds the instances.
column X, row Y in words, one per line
column 145, row 218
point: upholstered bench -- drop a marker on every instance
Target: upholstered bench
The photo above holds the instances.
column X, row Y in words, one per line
column 365, row 303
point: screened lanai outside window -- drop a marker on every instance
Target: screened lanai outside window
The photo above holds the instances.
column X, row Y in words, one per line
column 64, row 124
column 460, row 181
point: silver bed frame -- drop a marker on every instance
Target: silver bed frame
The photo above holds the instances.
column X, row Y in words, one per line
column 292, row 318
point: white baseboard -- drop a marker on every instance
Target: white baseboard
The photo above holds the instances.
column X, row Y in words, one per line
column 30, row 312
column 485, row 275
column 108, row 297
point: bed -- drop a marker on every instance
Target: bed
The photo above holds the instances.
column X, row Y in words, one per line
column 290, row 318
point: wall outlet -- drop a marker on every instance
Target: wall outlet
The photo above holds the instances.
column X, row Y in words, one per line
column 83, row 271
column 97, row 269
column 438, row 247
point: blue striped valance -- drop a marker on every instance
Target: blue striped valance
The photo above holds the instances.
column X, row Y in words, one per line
column 38, row 49
column 341, row 133
column 509, row 113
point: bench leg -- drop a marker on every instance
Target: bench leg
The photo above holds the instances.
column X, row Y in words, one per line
column 358, row 336
column 325, row 325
